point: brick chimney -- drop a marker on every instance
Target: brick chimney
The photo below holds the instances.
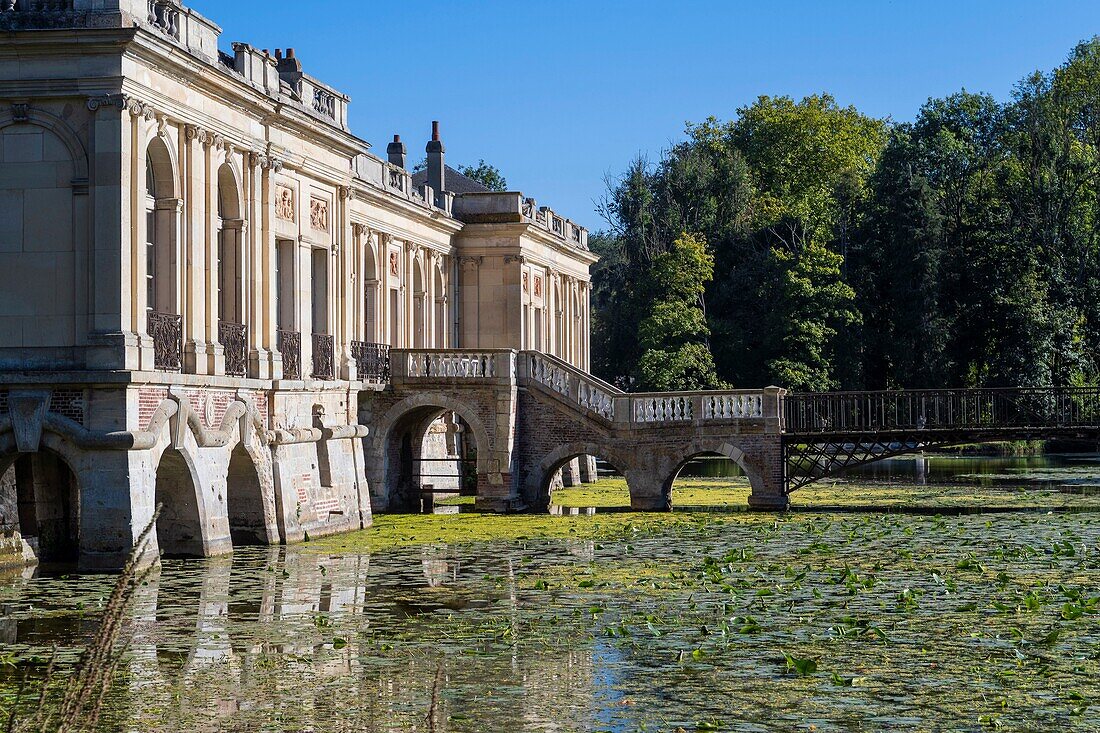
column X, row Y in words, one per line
column 396, row 152
column 436, row 176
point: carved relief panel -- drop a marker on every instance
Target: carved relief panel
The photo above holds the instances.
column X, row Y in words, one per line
column 285, row 207
column 319, row 214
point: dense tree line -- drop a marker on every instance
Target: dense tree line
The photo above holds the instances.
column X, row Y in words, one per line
column 808, row 245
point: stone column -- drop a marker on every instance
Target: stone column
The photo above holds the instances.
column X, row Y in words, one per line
column 345, row 286
column 769, row 487
column 648, row 492
column 264, row 361
column 113, row 155
column 195, row 160
column 571, row 473
column 588, row 472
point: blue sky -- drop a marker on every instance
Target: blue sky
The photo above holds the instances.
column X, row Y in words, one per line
column 560, row 94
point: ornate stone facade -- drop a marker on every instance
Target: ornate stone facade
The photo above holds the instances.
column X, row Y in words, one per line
column 197, row 258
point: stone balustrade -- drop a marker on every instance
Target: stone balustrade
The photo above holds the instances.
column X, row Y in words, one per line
column 735, row 406
column 691, row 406
column 451, row 364
column 583, row 390
column 575, row 385
column 672, row 407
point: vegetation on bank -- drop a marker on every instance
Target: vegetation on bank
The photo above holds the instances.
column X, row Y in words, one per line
column 832, row 250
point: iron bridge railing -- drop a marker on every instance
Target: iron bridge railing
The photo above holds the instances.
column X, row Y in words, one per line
column 949, row 409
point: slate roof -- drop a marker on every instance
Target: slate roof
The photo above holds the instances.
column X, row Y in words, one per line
column 456, row 182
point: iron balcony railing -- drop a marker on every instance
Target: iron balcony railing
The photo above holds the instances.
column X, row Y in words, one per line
column 950, row 409
column 289, row 344
column 323, row 356
column 234, row 340
column 372, row 361
column 166, row 330
column 35, row 6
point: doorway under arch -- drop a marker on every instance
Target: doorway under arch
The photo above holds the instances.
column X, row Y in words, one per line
column 431, row 456
column 179, row 526
column 40, row 498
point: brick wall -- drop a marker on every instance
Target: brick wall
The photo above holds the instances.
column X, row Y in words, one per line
column 69, row 403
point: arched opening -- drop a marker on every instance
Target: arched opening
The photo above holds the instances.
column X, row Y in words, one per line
column 441, row 326
column 420, row 307
column 162, row 208
column 559, row 322
column 371, row 307
column 431, row 460
column 565, row 483
column 708, row 478
column 244, row 499
column 40, row 499
column 179, row 527
column 232, row 331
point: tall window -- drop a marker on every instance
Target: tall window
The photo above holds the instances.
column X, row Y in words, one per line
column 440, row 311
column 284, row 285
column 420, row 314
column 320, row 290
column 150, row 237
column 230, row 260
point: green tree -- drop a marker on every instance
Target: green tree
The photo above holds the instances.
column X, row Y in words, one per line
column 673, row 334
column 485, row 174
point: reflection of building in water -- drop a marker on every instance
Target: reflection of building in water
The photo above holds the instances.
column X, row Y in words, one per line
column 231, row 645
column 437, row 566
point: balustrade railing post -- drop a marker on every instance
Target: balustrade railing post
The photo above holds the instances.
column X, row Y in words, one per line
column 772, row 409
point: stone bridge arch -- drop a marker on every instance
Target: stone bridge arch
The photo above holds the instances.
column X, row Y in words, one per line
column 538, row 484
column 398, row 438
column 41, row 494
column 676, row 457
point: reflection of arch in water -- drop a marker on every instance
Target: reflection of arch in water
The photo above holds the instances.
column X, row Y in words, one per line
column 40, row 497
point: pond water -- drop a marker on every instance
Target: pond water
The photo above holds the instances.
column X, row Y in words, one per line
column 1041, row 471
column 693, row 621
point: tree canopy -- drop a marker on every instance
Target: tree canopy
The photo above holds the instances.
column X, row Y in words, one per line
column 843, row 251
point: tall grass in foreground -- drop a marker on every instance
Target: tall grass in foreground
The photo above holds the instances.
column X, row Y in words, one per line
column 85, row 691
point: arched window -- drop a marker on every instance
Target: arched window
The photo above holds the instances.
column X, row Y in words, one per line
column 559, row 322
column 420, row 311
column 370, row 306
column 162, row 207
column 150, row 236
column 230, row 254
column 232, row 331
column 441, row 325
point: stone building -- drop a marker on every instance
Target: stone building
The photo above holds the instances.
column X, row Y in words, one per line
column 202, row 271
